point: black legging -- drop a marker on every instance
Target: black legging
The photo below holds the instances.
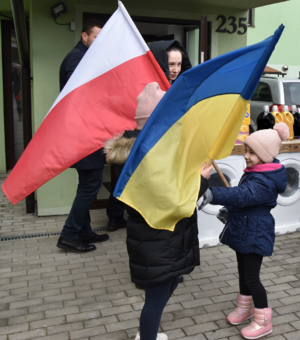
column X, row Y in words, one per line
column 156, row 298
column 249, row 268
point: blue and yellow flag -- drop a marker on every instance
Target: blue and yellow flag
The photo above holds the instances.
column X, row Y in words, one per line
column 198, row 118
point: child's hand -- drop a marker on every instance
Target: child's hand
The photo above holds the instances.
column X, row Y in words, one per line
column 205, row 172
column 223, row 215
column 207, row 198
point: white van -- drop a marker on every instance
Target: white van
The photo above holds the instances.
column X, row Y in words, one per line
column 273, row 91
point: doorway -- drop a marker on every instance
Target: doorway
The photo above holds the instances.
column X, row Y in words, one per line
column 194, row 36
column 13, row 116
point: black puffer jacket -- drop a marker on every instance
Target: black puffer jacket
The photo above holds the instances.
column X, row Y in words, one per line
column 159, row 50
column 156, row 255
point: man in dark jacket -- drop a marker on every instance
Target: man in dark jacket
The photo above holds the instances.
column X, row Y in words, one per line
column 77, row 233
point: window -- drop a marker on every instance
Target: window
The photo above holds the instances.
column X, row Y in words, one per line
column 292, row 182
column 292, row 93
column 215, row 181
column 262, row 93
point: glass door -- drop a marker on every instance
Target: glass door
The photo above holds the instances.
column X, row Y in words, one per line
column 192, row 45
column 16, row 97
column 13, row 118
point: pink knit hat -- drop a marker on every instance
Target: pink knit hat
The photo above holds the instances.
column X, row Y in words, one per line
column 147, row 101
column 266, row 143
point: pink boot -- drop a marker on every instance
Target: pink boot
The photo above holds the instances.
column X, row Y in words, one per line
column 243, row 311
column 260, row 326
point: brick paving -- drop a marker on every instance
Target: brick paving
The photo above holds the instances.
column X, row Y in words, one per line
column 49, row 294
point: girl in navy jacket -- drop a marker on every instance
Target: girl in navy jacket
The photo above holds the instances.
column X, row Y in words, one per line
column 249, row 225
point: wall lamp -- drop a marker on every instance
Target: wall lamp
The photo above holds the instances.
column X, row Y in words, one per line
column 58, row 9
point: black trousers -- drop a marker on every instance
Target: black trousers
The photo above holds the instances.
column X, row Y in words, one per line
column 249, row 268
column 78, row 223
column 115, row 208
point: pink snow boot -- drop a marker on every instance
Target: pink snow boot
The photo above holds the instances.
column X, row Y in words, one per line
column 243, row 311
column 260, row 326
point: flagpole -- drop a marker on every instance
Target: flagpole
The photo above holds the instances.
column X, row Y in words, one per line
column 220, row 174
column 208, row 162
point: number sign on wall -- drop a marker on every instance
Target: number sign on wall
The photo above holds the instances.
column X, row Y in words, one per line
column 233, row 24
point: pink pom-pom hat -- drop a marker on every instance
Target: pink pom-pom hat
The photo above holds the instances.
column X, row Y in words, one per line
column 266, row 143
column 282, row 130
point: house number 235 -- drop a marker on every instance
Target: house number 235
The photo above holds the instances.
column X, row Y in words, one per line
column 233, row 24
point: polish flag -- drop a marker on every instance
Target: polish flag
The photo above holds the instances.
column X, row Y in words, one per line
column 98, row 102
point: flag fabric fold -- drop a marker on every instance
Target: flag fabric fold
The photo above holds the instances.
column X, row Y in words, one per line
column 98, row 102
column 198, row 118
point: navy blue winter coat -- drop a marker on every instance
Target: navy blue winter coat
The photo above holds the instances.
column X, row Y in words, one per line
column 251, row 227
column 96, row 159
column 72, row 59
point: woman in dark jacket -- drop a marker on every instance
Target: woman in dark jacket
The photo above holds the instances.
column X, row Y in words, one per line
column 173, row 60
column 156, row 257
column 171, row 57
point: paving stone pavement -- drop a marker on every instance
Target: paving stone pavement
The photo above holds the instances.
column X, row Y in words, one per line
column 50, row 294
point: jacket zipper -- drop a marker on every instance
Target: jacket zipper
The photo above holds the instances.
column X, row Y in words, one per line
column 242, row 180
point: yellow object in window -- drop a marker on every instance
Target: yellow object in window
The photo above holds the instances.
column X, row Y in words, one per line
column 241, row 138
column 244, row 128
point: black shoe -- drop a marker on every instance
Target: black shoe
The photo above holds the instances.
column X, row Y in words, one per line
column 77, row 246
column 114, row 225
column 180, row 279
column 94, row 238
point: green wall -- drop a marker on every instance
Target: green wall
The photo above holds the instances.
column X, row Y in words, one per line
column 287, row 51
column 49, row 44
column 224, row 42
column 2, row 133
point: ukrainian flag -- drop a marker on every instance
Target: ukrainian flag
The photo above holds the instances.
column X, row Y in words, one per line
column 198, row 118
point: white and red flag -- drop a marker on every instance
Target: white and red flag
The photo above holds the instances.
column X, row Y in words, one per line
column 98, row 102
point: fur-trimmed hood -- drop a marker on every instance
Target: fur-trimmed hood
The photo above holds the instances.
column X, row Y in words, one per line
column 118, row 149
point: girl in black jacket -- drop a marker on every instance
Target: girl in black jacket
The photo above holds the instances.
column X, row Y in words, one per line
column 156, row 257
